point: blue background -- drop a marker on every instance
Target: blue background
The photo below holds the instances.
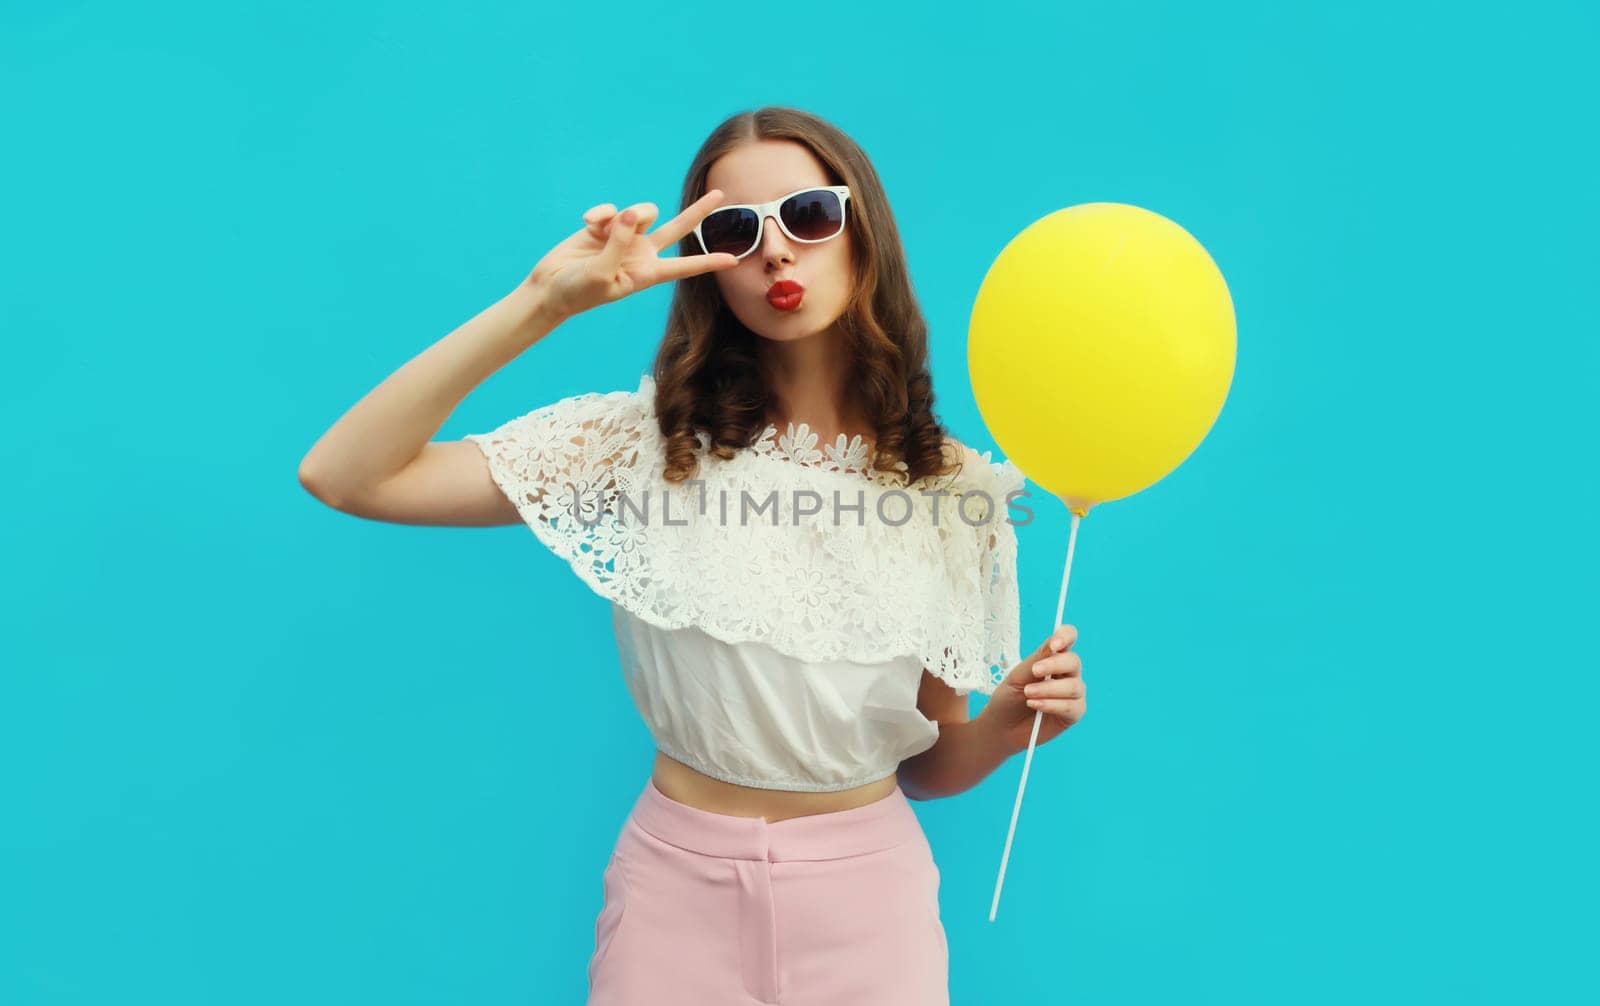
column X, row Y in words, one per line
column 255, row 751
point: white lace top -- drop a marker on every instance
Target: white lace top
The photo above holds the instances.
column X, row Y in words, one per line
column 773, row 614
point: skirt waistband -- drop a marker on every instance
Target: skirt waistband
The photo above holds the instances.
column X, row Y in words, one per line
column 882, row 824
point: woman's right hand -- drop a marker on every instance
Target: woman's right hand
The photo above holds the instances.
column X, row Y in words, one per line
column 612, row 257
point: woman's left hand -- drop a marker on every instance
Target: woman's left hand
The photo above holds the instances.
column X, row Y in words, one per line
column 1060, row 695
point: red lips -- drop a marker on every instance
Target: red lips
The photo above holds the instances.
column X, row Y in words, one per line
column 785, row 295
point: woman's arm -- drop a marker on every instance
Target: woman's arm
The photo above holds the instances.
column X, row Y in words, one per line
column 378, row 461
column 969, row 749
column 964, row 754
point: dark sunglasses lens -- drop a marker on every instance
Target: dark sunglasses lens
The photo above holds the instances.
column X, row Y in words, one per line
column 732, row 231
column 813, row 215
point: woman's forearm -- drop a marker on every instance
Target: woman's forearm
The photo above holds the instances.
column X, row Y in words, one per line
column 382, row 432
column 963, row 756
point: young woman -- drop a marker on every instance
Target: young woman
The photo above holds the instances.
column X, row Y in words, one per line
column 799, row 626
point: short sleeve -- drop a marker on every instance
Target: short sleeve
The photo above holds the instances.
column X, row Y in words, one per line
column 587, row 474
column 563, row 464
column 986, row 629
column 1002, row 624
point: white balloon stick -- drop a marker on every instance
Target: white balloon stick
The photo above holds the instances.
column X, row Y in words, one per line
column 1038, row 717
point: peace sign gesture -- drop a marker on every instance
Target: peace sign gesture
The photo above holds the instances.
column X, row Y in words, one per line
column 612, row 256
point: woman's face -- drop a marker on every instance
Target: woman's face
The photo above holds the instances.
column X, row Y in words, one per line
column 756, row 172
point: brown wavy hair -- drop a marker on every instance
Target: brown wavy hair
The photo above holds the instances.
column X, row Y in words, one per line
column 708, row 370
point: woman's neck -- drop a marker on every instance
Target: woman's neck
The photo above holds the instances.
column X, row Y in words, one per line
column 811, row 382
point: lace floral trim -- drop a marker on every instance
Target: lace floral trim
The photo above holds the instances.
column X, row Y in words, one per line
column 935, row 586
column 798, row 445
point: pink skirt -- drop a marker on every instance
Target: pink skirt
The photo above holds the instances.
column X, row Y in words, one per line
column 706, row 909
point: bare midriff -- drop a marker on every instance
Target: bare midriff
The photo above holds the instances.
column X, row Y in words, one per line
column 679, row 782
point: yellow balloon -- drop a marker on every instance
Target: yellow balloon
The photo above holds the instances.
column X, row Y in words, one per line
column 1101, row 348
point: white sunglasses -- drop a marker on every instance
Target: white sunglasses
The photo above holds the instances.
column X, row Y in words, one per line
column 809, row 216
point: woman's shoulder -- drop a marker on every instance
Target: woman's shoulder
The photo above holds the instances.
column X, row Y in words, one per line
column 625, row 411
column 637, row 400
column 592, row 424
column 978, row 470
column 641, row 397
